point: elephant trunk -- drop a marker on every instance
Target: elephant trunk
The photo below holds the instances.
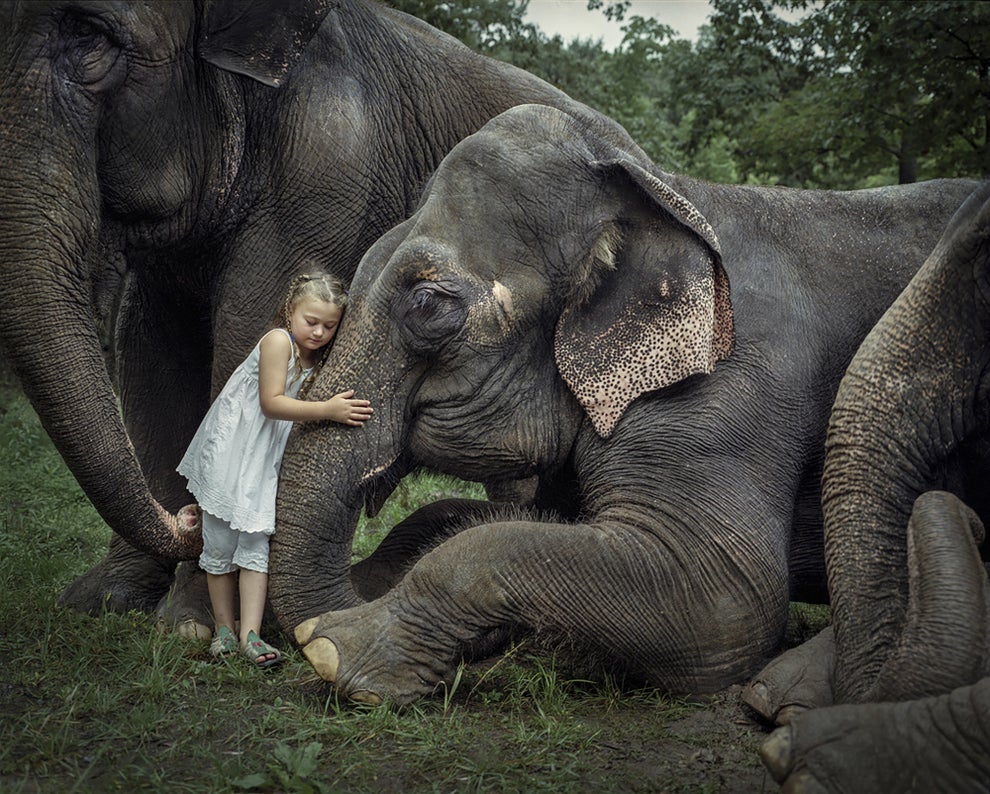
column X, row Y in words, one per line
column 944, row 644
column 49, row 219
column 902, row 409
column 329, row 471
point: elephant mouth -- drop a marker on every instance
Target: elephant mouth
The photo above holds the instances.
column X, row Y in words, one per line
column 377, row 486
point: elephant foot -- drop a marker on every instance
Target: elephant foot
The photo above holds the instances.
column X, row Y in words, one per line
column 795, row 681
column 186, row 609
column 919, row 746
column 125, row 579
column 370, row 658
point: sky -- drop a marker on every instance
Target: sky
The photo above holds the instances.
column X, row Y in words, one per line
column 572, row 19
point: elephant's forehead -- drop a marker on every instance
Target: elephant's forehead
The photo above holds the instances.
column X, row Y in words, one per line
column 497, row 155
column 481, row 156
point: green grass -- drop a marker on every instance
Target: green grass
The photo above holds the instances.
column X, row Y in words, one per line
column 110, row 703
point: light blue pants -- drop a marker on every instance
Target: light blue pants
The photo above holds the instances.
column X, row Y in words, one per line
column 225, row 549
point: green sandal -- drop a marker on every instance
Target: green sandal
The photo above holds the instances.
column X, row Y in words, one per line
column 256, row 647
column 224, row 643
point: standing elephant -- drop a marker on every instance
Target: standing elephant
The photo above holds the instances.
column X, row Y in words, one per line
column 167, row 167
column 905, row 500
column 558, row 308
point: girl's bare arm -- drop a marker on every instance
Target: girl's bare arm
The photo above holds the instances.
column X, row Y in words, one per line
column 276, row 350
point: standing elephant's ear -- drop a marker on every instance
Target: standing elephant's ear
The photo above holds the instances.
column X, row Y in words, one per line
column 262, row 40
column 654, row 307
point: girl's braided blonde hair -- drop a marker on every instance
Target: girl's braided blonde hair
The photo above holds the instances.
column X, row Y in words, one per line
column 316, row 284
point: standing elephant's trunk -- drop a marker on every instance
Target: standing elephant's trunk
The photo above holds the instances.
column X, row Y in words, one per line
column 910, row 399
column 47, row 319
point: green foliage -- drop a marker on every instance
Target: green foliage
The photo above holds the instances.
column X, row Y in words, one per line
column 481, row 24
column 290, row 770
column 832, row 94
column 862, row 89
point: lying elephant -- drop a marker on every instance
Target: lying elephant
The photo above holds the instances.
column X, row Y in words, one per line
column 905, row 500
column 167, row 167
column 551, row 310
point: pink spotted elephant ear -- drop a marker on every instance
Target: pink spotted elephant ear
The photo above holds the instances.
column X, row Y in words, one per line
column 658, row 309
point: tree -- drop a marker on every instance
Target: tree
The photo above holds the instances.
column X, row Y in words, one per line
column 481, row 24
column 864, row 88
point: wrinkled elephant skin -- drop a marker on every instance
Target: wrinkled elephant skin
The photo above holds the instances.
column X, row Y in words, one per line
column 557, row 307
column 918, row 745
column 167, row 168
column 905, row 504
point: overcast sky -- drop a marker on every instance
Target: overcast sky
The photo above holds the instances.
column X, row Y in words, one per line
column 572, row 19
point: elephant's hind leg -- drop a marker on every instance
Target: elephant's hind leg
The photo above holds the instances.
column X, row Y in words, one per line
column 409, row 540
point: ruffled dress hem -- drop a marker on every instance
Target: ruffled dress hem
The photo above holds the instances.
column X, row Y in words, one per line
column 233, row 461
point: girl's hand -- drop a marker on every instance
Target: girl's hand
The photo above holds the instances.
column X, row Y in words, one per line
column 345, row 409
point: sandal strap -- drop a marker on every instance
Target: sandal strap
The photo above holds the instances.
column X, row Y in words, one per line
column 255, row 647
column 224, row 642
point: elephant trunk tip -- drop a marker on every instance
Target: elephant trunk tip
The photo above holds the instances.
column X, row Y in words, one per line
column 184, row 537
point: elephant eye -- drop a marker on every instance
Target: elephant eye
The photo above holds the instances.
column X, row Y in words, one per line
column 89, row 53
column 430, row 315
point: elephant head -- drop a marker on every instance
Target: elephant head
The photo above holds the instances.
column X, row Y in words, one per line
column 109, row 127
column 911, row 416
column 548, row 276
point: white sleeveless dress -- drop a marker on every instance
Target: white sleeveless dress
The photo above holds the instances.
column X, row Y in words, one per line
column 233, row 461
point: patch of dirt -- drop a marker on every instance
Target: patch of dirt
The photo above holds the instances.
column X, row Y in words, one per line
column 712, row 748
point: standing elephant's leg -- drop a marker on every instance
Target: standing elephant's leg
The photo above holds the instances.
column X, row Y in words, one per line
column 162, row 365
column 609, row 592
column 163, row 352
column 125, row 579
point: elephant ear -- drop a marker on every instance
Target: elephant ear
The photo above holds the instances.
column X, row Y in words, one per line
column 654, row 309
column 262, row 40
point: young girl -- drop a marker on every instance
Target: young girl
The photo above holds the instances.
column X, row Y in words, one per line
column 233, row 461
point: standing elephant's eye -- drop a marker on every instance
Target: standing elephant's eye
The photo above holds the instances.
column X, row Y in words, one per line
column 430, row 314
column 88, row 53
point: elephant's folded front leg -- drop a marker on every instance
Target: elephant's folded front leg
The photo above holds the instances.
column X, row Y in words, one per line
column 611, row 594
column 371, row 655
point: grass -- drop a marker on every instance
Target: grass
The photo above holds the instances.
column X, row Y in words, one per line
column 112, row 704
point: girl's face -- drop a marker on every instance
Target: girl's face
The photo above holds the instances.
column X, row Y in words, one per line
column 314, row 322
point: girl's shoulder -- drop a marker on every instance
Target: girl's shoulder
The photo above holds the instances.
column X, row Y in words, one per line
column 276, row 342
column 277, row 333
